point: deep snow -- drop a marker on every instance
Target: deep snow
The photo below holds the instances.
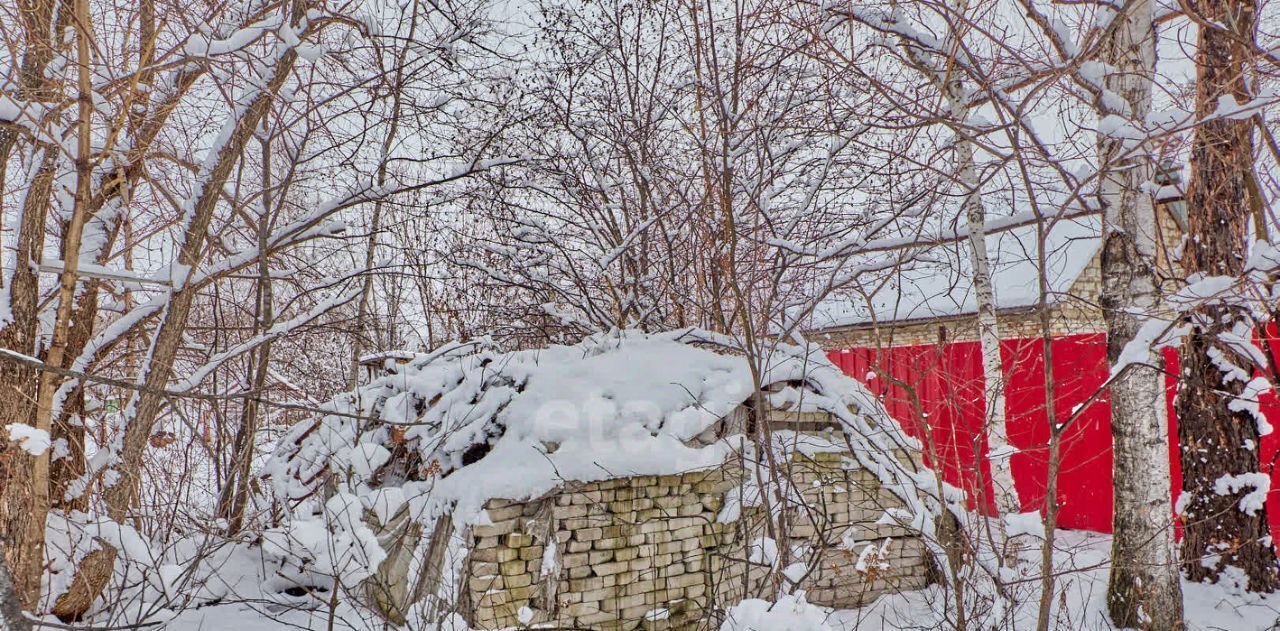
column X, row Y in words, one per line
column 1079, row 604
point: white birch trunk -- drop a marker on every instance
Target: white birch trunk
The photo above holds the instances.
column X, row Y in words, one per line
column 999, row 450
column 1144, row 589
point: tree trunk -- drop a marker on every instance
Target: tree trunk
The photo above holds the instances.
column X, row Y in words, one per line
column 112, row 193
column 999, row 450
column 145, row 406
column 92, row 576
column 17, row 387
column 20, row 332
column 1222, row 528
column 68, row 425
column 11, row 615
column 359, row 334
column 49, row 382
column 1143, row 590
column 234, row 496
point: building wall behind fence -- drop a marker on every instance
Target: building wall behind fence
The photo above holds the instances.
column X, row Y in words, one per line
column 940, row 386
column 648, row 552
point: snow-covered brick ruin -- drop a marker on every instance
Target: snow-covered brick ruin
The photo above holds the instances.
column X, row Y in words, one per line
column 616, row 483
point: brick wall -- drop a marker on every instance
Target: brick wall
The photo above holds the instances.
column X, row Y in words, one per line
column 1073, row 315
column 648, row 552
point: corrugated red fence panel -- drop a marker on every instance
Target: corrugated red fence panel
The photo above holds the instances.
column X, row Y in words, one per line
column 940, row 387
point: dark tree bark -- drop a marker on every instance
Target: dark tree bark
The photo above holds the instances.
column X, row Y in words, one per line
column 1216, row 441
column 11, row 616
column 20, row 333
column 234, row 496
column 18, row 391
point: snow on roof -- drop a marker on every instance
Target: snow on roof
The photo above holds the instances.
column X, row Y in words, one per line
column 468, row 423
column 944, row 287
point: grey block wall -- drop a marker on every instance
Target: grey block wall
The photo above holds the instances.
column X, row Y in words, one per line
column 647, row 552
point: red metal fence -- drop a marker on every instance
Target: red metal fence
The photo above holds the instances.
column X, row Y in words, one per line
column 943, row 385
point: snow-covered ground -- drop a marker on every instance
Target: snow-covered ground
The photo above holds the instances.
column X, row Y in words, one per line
column 1079, row 603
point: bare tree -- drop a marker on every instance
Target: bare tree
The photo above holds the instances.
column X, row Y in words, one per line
column 140, row 99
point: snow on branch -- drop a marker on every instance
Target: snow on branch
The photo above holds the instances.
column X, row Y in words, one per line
column 276, row 331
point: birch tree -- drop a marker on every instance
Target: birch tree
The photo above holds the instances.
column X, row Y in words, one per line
column 948, row 65
column 1144, row 590
column 999, row 451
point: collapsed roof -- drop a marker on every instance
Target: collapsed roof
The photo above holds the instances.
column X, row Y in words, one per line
column 467, row 423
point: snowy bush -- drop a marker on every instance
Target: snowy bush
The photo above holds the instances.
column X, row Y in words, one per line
column 790, row 613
